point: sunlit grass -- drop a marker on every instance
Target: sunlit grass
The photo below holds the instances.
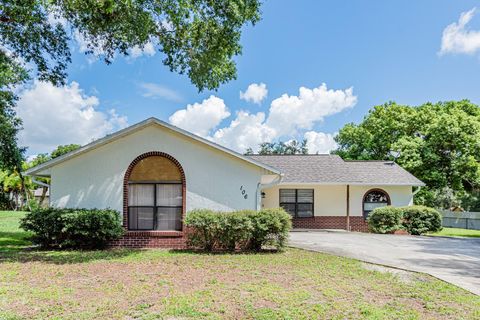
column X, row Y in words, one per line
column 457, row 232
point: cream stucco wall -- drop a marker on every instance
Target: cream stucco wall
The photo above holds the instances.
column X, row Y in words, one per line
column 213, row 178
column 330, row 200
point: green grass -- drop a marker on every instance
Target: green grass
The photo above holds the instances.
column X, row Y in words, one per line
column 162, row 284
column 457, row 232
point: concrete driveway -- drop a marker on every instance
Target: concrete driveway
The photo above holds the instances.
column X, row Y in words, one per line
column 453, row 260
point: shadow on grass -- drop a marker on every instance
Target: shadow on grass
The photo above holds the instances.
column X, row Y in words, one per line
column 224, row 252
column 16, row 247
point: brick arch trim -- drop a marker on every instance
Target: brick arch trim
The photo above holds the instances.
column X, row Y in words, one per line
column 127, row 176
column 389, row 202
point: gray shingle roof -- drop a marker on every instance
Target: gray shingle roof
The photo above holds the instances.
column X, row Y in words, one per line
column 331, row 169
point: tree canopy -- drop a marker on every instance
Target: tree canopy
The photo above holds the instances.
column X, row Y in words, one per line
column 437, row 142
column 198, row 37
column 290, row 147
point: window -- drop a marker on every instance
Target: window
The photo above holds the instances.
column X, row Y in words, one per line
column 297, row 202
column 154, row 206
column 155, row 195
column 374, row 199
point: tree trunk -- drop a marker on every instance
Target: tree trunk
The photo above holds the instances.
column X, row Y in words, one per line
column 44, row 194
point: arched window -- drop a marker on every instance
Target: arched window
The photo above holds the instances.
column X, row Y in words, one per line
column 374, row 198
column 155, row 193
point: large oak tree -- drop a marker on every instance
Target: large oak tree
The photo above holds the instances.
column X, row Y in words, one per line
column 437, row 142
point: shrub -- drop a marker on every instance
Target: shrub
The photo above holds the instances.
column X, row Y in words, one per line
column 205, row 227
column 418, row 220
column 73, row 228
column 270, row 227
column 235, row 230
column 243, row 230
column 385, row 220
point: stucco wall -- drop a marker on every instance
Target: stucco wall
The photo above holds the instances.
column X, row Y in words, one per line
column 214, row 178
column 330, row 200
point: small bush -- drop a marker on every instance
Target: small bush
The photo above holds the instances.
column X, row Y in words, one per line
column 205, row 228
column 245, row 230
column 418, row 220
column 73, row 228
column 385, row 220
column 235, row 230
column 270, row 228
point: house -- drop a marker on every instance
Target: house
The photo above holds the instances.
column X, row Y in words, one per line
column 154, row 173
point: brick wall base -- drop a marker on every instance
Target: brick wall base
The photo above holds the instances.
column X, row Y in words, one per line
column 330, row 222
column 177, row 240
column 150, row 240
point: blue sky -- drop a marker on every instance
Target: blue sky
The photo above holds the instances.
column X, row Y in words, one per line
column 384, row 50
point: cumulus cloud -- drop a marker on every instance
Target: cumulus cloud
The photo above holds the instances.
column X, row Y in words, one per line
column 288, row 114
column 62, row 115
column 255, row 93
column 154, row 90
column 320, row 142
column 457, row 38
column 247, row 130
column 200, row 118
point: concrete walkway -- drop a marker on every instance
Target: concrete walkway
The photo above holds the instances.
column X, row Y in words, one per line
column 455, row 260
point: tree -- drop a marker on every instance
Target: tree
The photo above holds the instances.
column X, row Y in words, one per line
column 290, row 147
column 63, row 149
column 439, row 143
column 198, row 37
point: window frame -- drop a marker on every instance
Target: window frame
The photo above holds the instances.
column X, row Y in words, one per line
column 296, row 203
column 365, row 213
column 155, row 207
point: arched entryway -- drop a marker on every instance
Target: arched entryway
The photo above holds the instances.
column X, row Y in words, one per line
column 374, row 198
column 154, row 193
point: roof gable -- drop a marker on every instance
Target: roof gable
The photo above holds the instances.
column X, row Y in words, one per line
column 136, row 127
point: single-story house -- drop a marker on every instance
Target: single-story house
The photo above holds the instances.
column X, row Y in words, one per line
column 154, row 173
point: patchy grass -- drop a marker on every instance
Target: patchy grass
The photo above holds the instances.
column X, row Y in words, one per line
column 160, row 284
column 457, row 232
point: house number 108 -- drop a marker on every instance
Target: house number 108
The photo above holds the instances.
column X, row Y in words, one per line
column 244, row 192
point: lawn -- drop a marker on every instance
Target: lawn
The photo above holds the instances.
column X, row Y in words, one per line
column 457, row 232
column 161, row 284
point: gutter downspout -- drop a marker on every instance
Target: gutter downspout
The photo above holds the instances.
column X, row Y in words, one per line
column 416, row 191
column 260, row 186
column 43, row 184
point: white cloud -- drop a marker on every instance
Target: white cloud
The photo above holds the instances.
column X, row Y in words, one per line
column 154, row 90
column 287, row 117
column 147, row 50
column 255, row 93
column 320, row 142
column 200, row 118
column 62, row 115
column 288, row 114
column 457, row 38
column 247, row 130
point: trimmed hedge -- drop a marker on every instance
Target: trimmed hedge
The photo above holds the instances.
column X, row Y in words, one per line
column 418, row 220
column 385, row 220
column 73, row 228
column 415, row 220
column 243, row 230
